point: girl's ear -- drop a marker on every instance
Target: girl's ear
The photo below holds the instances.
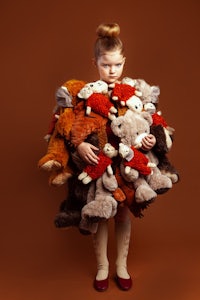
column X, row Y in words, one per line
column 124, row 60
column 94, row 62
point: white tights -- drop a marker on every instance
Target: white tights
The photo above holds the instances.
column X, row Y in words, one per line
column 122, row 232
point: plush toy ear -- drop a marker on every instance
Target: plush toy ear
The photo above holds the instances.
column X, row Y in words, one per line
column 63, row 97
column 80, row 95
column 155, row 93
column 116, row 126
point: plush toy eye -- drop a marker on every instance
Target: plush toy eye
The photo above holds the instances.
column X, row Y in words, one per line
column 137, row 133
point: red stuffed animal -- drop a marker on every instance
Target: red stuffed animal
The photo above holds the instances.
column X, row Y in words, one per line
column 135, row 159
column 92, row 172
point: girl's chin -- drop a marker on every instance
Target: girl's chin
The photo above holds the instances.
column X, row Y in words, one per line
column 111, row 80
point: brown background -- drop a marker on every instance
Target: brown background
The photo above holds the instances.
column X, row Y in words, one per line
column 42, row 45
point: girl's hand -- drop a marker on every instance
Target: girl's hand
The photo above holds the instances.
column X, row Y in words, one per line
column 148, row 142
column 86, row 152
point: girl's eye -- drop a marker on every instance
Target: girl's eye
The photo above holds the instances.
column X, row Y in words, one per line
column 119, row 65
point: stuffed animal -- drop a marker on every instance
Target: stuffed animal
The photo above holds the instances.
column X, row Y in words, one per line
column 96, row 100
column 127, row 94
column 161, row 150
column 70, row 209
column 149, row 93
column 86, row 204
column 135, row 159
column 92, row 172
column 55, row 161
column 101, row 204
column 159, row 128
column 128, row 128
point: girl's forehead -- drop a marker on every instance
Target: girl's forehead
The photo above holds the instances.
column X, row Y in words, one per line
column 111, row 56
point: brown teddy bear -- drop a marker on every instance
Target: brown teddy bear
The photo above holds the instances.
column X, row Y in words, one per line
column 56, row 159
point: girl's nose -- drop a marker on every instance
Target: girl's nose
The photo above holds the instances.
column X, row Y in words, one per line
column 112, row 69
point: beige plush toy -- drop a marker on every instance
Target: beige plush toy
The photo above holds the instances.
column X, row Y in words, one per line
column 130, row 128
column 101, row 203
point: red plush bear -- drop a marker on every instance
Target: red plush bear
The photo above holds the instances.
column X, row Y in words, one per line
column 91, row 172
column 127, row 94
column 135, row 159
column 96, row 100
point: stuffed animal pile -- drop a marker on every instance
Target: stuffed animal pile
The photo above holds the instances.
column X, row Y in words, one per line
column 114, row 121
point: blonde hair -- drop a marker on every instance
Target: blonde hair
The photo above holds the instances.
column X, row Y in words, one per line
column 107, row 39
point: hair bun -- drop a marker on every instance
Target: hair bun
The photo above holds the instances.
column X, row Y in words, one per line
column 108, row 30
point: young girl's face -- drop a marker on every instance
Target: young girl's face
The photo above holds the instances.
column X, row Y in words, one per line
column 110, row 66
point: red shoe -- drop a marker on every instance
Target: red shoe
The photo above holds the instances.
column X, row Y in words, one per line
column 124, row 284
column 101, row 285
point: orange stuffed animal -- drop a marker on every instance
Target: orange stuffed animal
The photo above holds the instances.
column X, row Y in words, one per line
column 56, row 159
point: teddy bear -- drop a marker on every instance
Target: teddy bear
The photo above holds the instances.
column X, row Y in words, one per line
column 92, row 172
column 95, row 95
column 128, row 128
column 55, row 161
column 126, row 93
column 78, row 193
column 160, row 129
column 135, row 159
column 101, row 203
column 86, row 204
column 149, row 93
column 161, row 150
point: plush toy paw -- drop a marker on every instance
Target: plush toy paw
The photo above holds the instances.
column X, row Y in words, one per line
column 85, row 178
column 100, row 209
column 87, row 226
column 51, row 165
column 160, row 183
column 173, row 176
column 144, row 193
column 60, row 179
column 131, row 176
column 67, row 219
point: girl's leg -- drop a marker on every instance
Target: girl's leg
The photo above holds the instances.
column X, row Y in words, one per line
column 123, row 233
column 100, row 246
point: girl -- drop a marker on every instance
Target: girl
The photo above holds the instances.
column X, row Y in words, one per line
column 109, row 60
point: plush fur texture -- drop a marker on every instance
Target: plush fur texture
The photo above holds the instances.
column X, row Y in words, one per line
column 161, row 150
column 55, row 161
column 86, row 204
column 96, row 100
column 91, row 172
column 127, row 95
column 128, row 127
column 149, row 93
column 135, row 159
column 70, row 208
column 104, row 205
